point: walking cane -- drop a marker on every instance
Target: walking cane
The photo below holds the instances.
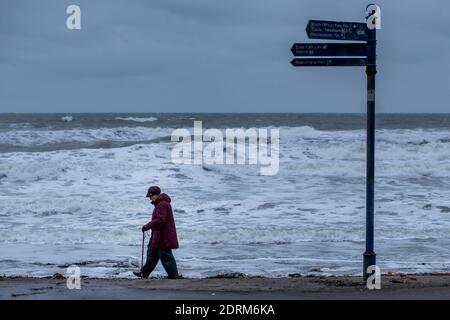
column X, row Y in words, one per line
column 142, row 255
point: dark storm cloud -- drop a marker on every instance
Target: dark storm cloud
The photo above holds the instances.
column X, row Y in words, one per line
column 212, row 56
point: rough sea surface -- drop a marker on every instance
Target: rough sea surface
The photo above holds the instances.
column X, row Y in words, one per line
column 72, row 190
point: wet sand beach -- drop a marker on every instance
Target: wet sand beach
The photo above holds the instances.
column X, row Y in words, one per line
column 399, row 286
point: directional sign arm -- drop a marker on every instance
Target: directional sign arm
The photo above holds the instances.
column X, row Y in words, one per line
column 329, row 62
column 336, row 30
column 329, row 49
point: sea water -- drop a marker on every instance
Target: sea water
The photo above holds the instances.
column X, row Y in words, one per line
column 73, row 192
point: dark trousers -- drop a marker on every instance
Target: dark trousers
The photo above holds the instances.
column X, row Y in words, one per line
column 167, row 260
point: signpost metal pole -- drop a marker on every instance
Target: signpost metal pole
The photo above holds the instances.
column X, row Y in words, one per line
column 371, row 70
column 353, row 31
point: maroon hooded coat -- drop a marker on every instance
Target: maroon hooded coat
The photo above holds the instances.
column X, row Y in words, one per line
column 164, row 233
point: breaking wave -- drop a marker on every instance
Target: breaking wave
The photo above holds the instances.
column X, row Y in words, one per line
column 149, row 119
column 86, row 200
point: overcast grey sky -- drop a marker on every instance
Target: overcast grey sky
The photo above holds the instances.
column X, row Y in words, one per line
column 213, row 56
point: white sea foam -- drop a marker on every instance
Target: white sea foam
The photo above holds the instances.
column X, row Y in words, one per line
column 69, row 205
column 29, row 138
column 67, row 118
column 135, row 119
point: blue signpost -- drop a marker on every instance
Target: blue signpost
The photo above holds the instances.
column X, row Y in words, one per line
column 371, row 70
column 353, row 31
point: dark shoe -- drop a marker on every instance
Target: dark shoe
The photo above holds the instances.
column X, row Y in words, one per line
column 138, row 274
column 177, row 277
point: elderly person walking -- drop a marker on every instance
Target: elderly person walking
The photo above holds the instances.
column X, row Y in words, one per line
column 164, row 236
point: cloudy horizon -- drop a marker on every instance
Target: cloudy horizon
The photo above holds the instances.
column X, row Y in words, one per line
column 205, row 56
